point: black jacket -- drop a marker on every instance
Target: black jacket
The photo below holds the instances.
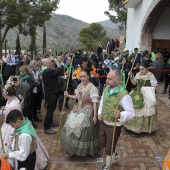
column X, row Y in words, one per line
column 50, row 81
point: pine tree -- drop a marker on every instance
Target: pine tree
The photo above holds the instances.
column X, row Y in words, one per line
column 44, row 40
column 91, row 36
column 18, row 47
column 32, row 32
column 118, row 7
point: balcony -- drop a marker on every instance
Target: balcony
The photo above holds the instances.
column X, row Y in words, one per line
column 132, row 3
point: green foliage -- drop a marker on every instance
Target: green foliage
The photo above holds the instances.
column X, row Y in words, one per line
column 91, row 36
column 24, row 14
column 18, row 47
column 118, row 7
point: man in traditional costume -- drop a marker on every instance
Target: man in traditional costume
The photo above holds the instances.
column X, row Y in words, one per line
column 117, row 104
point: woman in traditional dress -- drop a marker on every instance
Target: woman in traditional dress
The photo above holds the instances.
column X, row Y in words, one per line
column 7, row 131
column 80, row 132
column 144, row 101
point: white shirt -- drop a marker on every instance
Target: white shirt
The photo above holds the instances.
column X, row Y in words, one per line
column 127, row 114
column 24, row 144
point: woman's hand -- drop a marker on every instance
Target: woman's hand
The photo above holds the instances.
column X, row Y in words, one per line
column 129, row 73
column 66, row 93
column 94, row 120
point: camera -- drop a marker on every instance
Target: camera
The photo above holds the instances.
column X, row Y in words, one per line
column 15, row 79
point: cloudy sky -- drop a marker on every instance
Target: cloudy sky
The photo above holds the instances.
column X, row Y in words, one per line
column 86, row 10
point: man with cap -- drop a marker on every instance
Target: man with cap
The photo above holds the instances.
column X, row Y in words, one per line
column 116, row 65
column 108, row 62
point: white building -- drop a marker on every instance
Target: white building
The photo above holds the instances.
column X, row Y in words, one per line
column 148, row 24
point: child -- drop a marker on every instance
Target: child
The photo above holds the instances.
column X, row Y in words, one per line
column 24, row 144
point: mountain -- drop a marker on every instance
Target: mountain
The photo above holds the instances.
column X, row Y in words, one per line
column 109, row 24
column 62, row 31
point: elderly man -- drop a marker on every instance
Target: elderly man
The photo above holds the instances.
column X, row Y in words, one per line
column 51, row 92
column 113, row 95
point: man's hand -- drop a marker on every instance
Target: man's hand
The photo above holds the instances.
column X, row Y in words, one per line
column 100, row 117
column 5, row 155
column 117, row 114
column 94, row 120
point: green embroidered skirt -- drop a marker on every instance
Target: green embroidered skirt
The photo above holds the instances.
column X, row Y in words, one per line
column 142, row 124
column 79, row 135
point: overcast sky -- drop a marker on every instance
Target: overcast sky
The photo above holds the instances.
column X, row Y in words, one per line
column 86, row 10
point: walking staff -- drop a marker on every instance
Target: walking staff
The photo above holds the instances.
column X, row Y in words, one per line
column 115, row 108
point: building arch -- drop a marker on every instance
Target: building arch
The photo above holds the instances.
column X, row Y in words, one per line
column 151, row 18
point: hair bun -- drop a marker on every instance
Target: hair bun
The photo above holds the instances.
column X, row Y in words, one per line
column 144, row 63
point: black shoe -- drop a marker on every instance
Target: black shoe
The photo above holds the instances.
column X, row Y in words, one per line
column 54, row 124
column 37, row 119
column 50, row 131
column 34, row 125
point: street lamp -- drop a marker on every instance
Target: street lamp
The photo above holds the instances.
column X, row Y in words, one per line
column 5, row 47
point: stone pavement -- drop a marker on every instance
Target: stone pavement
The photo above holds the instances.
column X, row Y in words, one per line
column 138, row 152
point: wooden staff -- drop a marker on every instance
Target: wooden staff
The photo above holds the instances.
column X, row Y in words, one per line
column 114, row 128
column 130, row 72
column 64, row 101
column 2, row 143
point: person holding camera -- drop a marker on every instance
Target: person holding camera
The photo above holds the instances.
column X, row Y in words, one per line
column 51, row 92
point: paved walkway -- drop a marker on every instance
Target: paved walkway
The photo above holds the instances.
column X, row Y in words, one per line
column 138, row 152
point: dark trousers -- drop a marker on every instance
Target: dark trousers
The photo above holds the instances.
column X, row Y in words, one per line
column 61, row 99
column 105, row 137
column 29, row 163
column 167, row 81
column 35, row 104
column 51, row 103
column 101, row 88
column 40, row 98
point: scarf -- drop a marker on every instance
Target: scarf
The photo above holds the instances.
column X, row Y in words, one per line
column 169, row 61
column 26, row 127
column 22, row 79
column 119, row 88
column 43, row 68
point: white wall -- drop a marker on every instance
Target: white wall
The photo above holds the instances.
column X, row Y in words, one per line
column 162, row 29
column 134, row 22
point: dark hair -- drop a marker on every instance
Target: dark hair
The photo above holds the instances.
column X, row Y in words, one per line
column 135, row 49
column 87, row 71
column 145, row 53
column 13, row 116
column 144, row 64
column 11, row 91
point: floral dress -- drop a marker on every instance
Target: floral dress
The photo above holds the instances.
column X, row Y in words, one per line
column 79, row 135
column 144, row 103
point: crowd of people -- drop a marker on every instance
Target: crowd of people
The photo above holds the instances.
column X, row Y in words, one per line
column 110, row 88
